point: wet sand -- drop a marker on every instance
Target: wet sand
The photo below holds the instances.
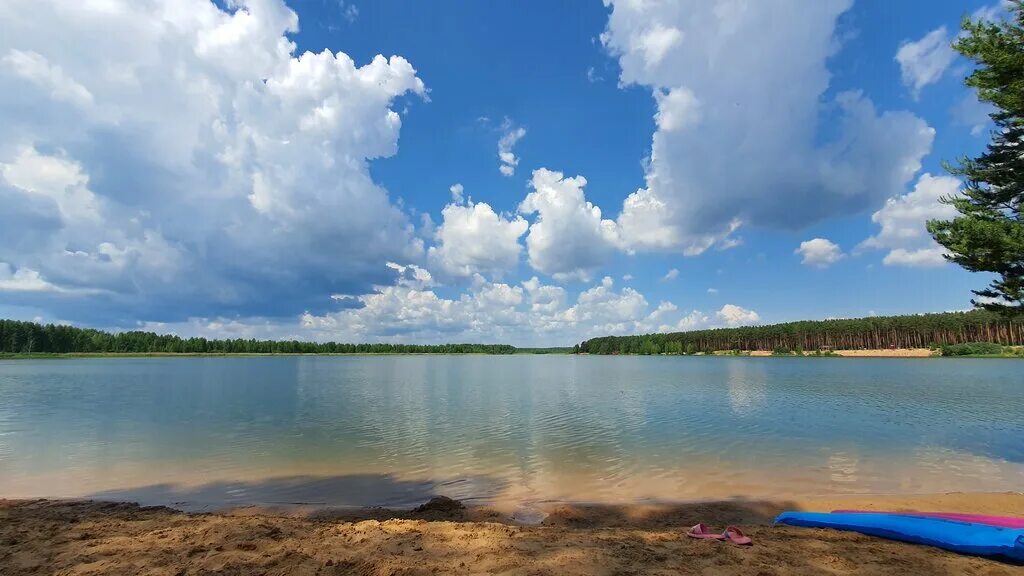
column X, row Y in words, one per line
column 68, row 537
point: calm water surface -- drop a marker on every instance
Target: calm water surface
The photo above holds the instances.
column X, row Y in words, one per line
column 393, row 430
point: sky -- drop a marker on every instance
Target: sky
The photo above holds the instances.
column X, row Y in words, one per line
column 533, row 173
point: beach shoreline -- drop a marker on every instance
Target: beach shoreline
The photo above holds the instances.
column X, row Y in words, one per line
column 874, row 353
column 90, row 537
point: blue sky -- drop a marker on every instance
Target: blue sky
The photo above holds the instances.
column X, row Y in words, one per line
column 249, row 169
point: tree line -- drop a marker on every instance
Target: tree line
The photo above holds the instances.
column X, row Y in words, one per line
column 879, row 332
column 18, row 337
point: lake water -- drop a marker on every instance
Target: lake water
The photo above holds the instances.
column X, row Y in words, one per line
column 509, row 430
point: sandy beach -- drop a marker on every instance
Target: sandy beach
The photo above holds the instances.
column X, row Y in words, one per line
column 889, row 353
column 68, row 537
column 878, row 353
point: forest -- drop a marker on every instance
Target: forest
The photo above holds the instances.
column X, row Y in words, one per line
column 31, row 338
column 877, row 332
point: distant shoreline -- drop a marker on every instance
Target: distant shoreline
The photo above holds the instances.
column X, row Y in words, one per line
column 55, row 355
column 977, row 332
column 886, row 353
column 852, row 353
column 872, row 353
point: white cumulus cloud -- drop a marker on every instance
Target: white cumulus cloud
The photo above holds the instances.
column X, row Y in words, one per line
column 924, row 61
column 568, row 238
column 902, row 223
column 819, row 252
column 603, row 303
column 728, row 316
column 510, row 136
column 695, row 320
column 919, row 258
column 473, row 238
column 733, row 315
column 22, row 280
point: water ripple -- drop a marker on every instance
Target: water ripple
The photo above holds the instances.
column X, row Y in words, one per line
column 522, row 428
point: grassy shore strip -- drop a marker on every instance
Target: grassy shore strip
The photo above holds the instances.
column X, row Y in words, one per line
column 443, row 537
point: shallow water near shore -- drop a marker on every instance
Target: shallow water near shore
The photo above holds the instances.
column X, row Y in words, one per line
column 505, row 430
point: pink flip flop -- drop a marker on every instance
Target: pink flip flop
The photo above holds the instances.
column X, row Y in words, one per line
column 736, row 536
column 701, row 531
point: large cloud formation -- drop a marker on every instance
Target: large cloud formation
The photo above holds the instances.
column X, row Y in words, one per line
column 193, row 170
column 190, row 162
column 531, row 313
column 741, row 94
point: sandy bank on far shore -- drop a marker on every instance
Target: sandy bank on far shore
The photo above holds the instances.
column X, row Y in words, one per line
column 889, row 353
column 879, row 353
column 47, row 537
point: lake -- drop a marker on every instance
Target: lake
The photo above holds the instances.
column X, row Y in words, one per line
column 508, row 430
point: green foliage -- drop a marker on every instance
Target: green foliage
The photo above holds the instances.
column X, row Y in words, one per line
column 988, row 235
column 973, row 349
column 917, row 331
column 31, row 338
column 649, row 347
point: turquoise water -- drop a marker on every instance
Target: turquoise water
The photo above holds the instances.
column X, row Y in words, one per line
column 393, row 430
